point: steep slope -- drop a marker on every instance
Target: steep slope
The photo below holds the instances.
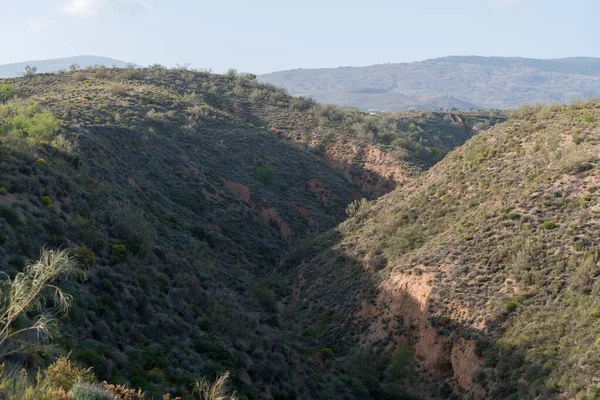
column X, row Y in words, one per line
column 480, row 278
column 180, row 191
column 58, row 64
column 461, row 82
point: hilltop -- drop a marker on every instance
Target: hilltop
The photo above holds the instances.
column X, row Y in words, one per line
column 180, row 191
column 58, row 64
column 477, row 280
column 462, row 82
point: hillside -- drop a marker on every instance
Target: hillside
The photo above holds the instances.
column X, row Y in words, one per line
column 58, row 64
column 477, row 280
column 181, row 191
column 448, row 82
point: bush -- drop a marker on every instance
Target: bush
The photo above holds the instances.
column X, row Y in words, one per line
column 132, row 74
column 357, row 205
column 119, row 251
column 511, row 305
column 402, row 364
column 231, row 73
column 85, row 256
column 10, row 215
column 124, row 393
column 29, row 123
column 589, row 119
column 63, row 374
column 85, row 391
column 7, row 92
column 549, row 225
column 265, row 174
column 47, row 201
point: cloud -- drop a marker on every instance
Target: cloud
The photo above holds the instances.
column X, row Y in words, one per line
column 36, row 27
column 506, row 3
column 93, row 8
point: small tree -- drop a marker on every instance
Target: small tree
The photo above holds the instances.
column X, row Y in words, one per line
column 7, row 92
column 74, row 67
column 30, row 71
column 231, row 73
column 28, row 292
column 265, row 174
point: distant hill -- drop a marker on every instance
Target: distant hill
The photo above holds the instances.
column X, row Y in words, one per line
column 57, row 64
column 450, row 82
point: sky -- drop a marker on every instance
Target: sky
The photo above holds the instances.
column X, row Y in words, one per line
column 263, row 36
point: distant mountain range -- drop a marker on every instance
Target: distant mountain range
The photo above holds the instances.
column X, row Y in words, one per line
column 450, row 82
column 57, row 64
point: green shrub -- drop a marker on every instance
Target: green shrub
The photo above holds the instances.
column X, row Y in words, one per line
column 7, row 92
column 231, row 73
column 85, row 256
column 512, row 215
column 119, row 251
column 325, row 353
column 265, row 174
column 10, row 215
column 549, row 225
column 28, row 123
column 132, row 74
column 511, row 305
column 85, row 391
column 402, row 364
column 589, row 118
column 47, row 201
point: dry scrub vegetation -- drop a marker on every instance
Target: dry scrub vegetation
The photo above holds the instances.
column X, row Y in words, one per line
column 504, row 232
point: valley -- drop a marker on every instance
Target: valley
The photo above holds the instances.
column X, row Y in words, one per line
column 310, row 200
column 181, row 192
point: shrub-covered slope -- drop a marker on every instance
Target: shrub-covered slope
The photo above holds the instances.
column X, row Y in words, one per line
column 180, row 191
column 480, row 277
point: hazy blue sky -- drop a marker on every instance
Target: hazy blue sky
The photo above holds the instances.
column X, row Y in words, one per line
column 268, row 35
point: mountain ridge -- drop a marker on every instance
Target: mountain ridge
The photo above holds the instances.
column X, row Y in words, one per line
column 467, row 81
